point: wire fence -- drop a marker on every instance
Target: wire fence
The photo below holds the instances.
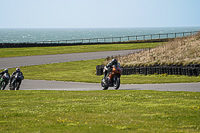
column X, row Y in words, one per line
column 125, row 38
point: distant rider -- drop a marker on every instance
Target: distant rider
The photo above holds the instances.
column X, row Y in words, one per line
column 13, row 75
column 108, row 68
column 3, row 72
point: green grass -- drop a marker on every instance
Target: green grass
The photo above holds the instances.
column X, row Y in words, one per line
column 158, row 79
column 84, row 71
column 13, row 52
column 99, row 111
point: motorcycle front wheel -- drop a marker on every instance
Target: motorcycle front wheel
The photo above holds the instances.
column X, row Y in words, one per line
column 117, row 83
column 3, row 85
column 103, row 86
column 17, row 85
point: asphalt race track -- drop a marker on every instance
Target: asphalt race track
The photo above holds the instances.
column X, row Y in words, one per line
column 77, row 86
column 11, row 62
column 74, row 86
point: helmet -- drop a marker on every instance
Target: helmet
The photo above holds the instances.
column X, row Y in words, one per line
column 18, row 69
column 6, row 70
column 114, row 61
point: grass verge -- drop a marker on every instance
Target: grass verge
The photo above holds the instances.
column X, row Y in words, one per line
column 84, row 71
column 14, row 52
column 99, row 111
column 181, row 51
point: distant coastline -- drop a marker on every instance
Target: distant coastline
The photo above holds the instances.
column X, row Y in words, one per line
column 18, row 35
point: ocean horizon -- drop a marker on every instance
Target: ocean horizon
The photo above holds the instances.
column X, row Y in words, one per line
column 30, row 35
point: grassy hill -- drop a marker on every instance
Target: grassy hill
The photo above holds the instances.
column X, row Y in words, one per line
column 181, row 51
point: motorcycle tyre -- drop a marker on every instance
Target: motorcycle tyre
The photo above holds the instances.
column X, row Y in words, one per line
column 103, row 86
column 16, row 87
column 3, row 85
column 117, row 84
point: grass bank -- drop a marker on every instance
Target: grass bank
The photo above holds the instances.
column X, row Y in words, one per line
column 99, row 111
column 84, row 71
column 182, row 51
column 14, row 52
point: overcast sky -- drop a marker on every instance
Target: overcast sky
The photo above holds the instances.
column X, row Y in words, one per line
column 98, row 13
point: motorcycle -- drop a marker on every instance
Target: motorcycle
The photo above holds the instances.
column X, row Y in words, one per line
column 16, row 82
column 112, row 78
column 4, row 81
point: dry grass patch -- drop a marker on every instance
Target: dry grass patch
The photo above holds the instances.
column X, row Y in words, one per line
column 182, row 51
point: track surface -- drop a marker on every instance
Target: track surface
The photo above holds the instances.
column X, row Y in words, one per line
column 11, row 62
column 74, row 86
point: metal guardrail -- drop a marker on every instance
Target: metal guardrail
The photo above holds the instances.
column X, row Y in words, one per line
column 124, row 38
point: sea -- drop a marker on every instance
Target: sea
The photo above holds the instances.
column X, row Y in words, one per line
column 9, row 35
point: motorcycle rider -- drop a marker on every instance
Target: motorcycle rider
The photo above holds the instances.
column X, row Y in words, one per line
column 13, row 75
column 3, row 72
column 108, row 68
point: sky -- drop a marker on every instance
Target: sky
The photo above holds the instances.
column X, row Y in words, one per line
column 99, row 13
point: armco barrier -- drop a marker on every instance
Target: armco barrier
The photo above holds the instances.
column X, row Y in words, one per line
column 190, row 70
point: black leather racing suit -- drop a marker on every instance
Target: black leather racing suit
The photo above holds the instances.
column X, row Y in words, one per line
column 2, row 73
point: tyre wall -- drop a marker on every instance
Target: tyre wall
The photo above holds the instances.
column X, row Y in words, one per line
column 190, row 70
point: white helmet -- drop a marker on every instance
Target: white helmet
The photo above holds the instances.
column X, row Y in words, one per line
column 18, row 69
column 6, row 70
